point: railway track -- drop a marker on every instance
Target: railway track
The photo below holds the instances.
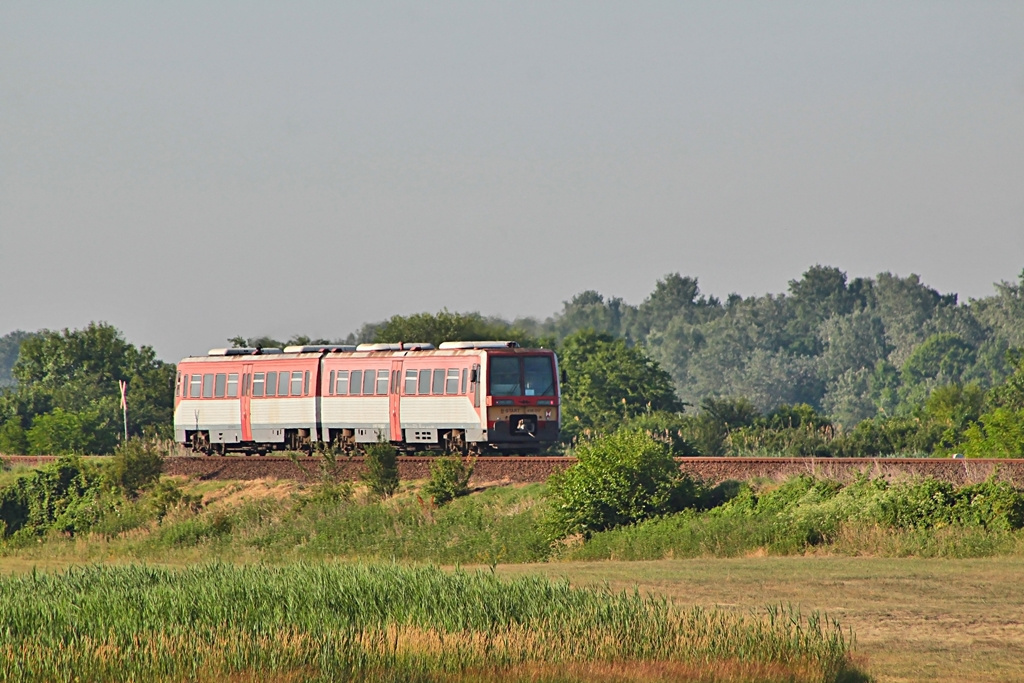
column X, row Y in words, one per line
column 516, row 469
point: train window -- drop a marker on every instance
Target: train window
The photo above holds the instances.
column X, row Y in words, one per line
column 396, row 379
column 177, row 386
column 451, row 385
column 538, row 376
column 305, row 384
column 465, row 373
column 410, row 382
column 382, row 382
column 297, row 383
column 271, row 384
column 196, row 386
column 357, row 382
column 245, row 384
column 257, row 384
column 438, row 385
column 424, row 382
column 282, row 384
column 218, row 390
column 505, row 376
column 341, row 388
column 368, row 377
column 232, row 385
column 208, row 385
column 330, row 384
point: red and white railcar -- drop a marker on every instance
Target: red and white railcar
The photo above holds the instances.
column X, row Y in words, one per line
column 462, row 396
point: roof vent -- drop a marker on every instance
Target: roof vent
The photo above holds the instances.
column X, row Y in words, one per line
column 400, row 346
column 318, row 348
column 479, row 345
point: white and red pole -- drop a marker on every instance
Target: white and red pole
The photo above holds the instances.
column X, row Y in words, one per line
column 124, row 405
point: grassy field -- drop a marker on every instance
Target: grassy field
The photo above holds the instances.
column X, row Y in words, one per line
column 914, row 619
column 330, row 622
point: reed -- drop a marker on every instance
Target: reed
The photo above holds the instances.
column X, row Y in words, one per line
column 381, row 622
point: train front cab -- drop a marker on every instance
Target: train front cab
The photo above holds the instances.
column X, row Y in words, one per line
column 523, row 400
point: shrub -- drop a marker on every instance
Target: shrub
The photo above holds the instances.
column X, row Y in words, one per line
column 449, row 479
column 618, row 479
column 166, row 495
column 65, row 496
column 381, row 473
column 137, row 463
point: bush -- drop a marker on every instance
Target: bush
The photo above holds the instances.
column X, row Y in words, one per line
column 137, row 464
column 65, row 496
column 618, row 479
column 166, row 495
column 922, row 517
column 381, row 473
column 449, row 479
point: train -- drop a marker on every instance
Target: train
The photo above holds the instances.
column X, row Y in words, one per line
column 462, row 397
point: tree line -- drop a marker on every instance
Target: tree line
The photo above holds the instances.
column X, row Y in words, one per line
column 872, row 366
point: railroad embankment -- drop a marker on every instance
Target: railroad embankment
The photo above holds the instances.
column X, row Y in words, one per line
column 533, row 469
column 521, row 470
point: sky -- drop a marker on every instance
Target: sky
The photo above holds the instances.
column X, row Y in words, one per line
column 192, row 171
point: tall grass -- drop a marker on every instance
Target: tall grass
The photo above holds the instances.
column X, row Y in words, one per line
column 376, row 622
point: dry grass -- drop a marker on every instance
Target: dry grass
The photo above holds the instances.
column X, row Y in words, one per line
column 914, row 619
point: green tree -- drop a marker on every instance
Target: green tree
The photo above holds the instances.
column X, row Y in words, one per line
column 942, row 357
column 999, row 431
column 62, row 432
column 1003, row 313
column 819, row 294
column 77, row 372
column 848, row 398
column 610, row 382
column 709, row 430
column 589, row 311
column 949, row 411
column 12, row 437
column 773, row 378
column 434, row 328
column 10, row 346
column 905, row 305
column 263, row 342
column 852, row 342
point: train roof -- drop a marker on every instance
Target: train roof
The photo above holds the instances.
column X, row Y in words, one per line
column 448, row 349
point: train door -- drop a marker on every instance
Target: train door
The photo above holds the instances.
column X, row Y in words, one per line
column 243, row 400
column 394, row 400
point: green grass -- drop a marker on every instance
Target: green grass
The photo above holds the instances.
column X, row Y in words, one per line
column 382, row 622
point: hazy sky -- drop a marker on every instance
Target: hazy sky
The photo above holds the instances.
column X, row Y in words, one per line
column 189, row 171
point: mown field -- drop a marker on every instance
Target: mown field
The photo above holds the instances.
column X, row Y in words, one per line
column 915, row 619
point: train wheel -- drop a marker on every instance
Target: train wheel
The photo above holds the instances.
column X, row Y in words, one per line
column 455, row 443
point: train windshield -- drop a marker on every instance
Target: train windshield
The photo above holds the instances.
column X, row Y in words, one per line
column 522, row 376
